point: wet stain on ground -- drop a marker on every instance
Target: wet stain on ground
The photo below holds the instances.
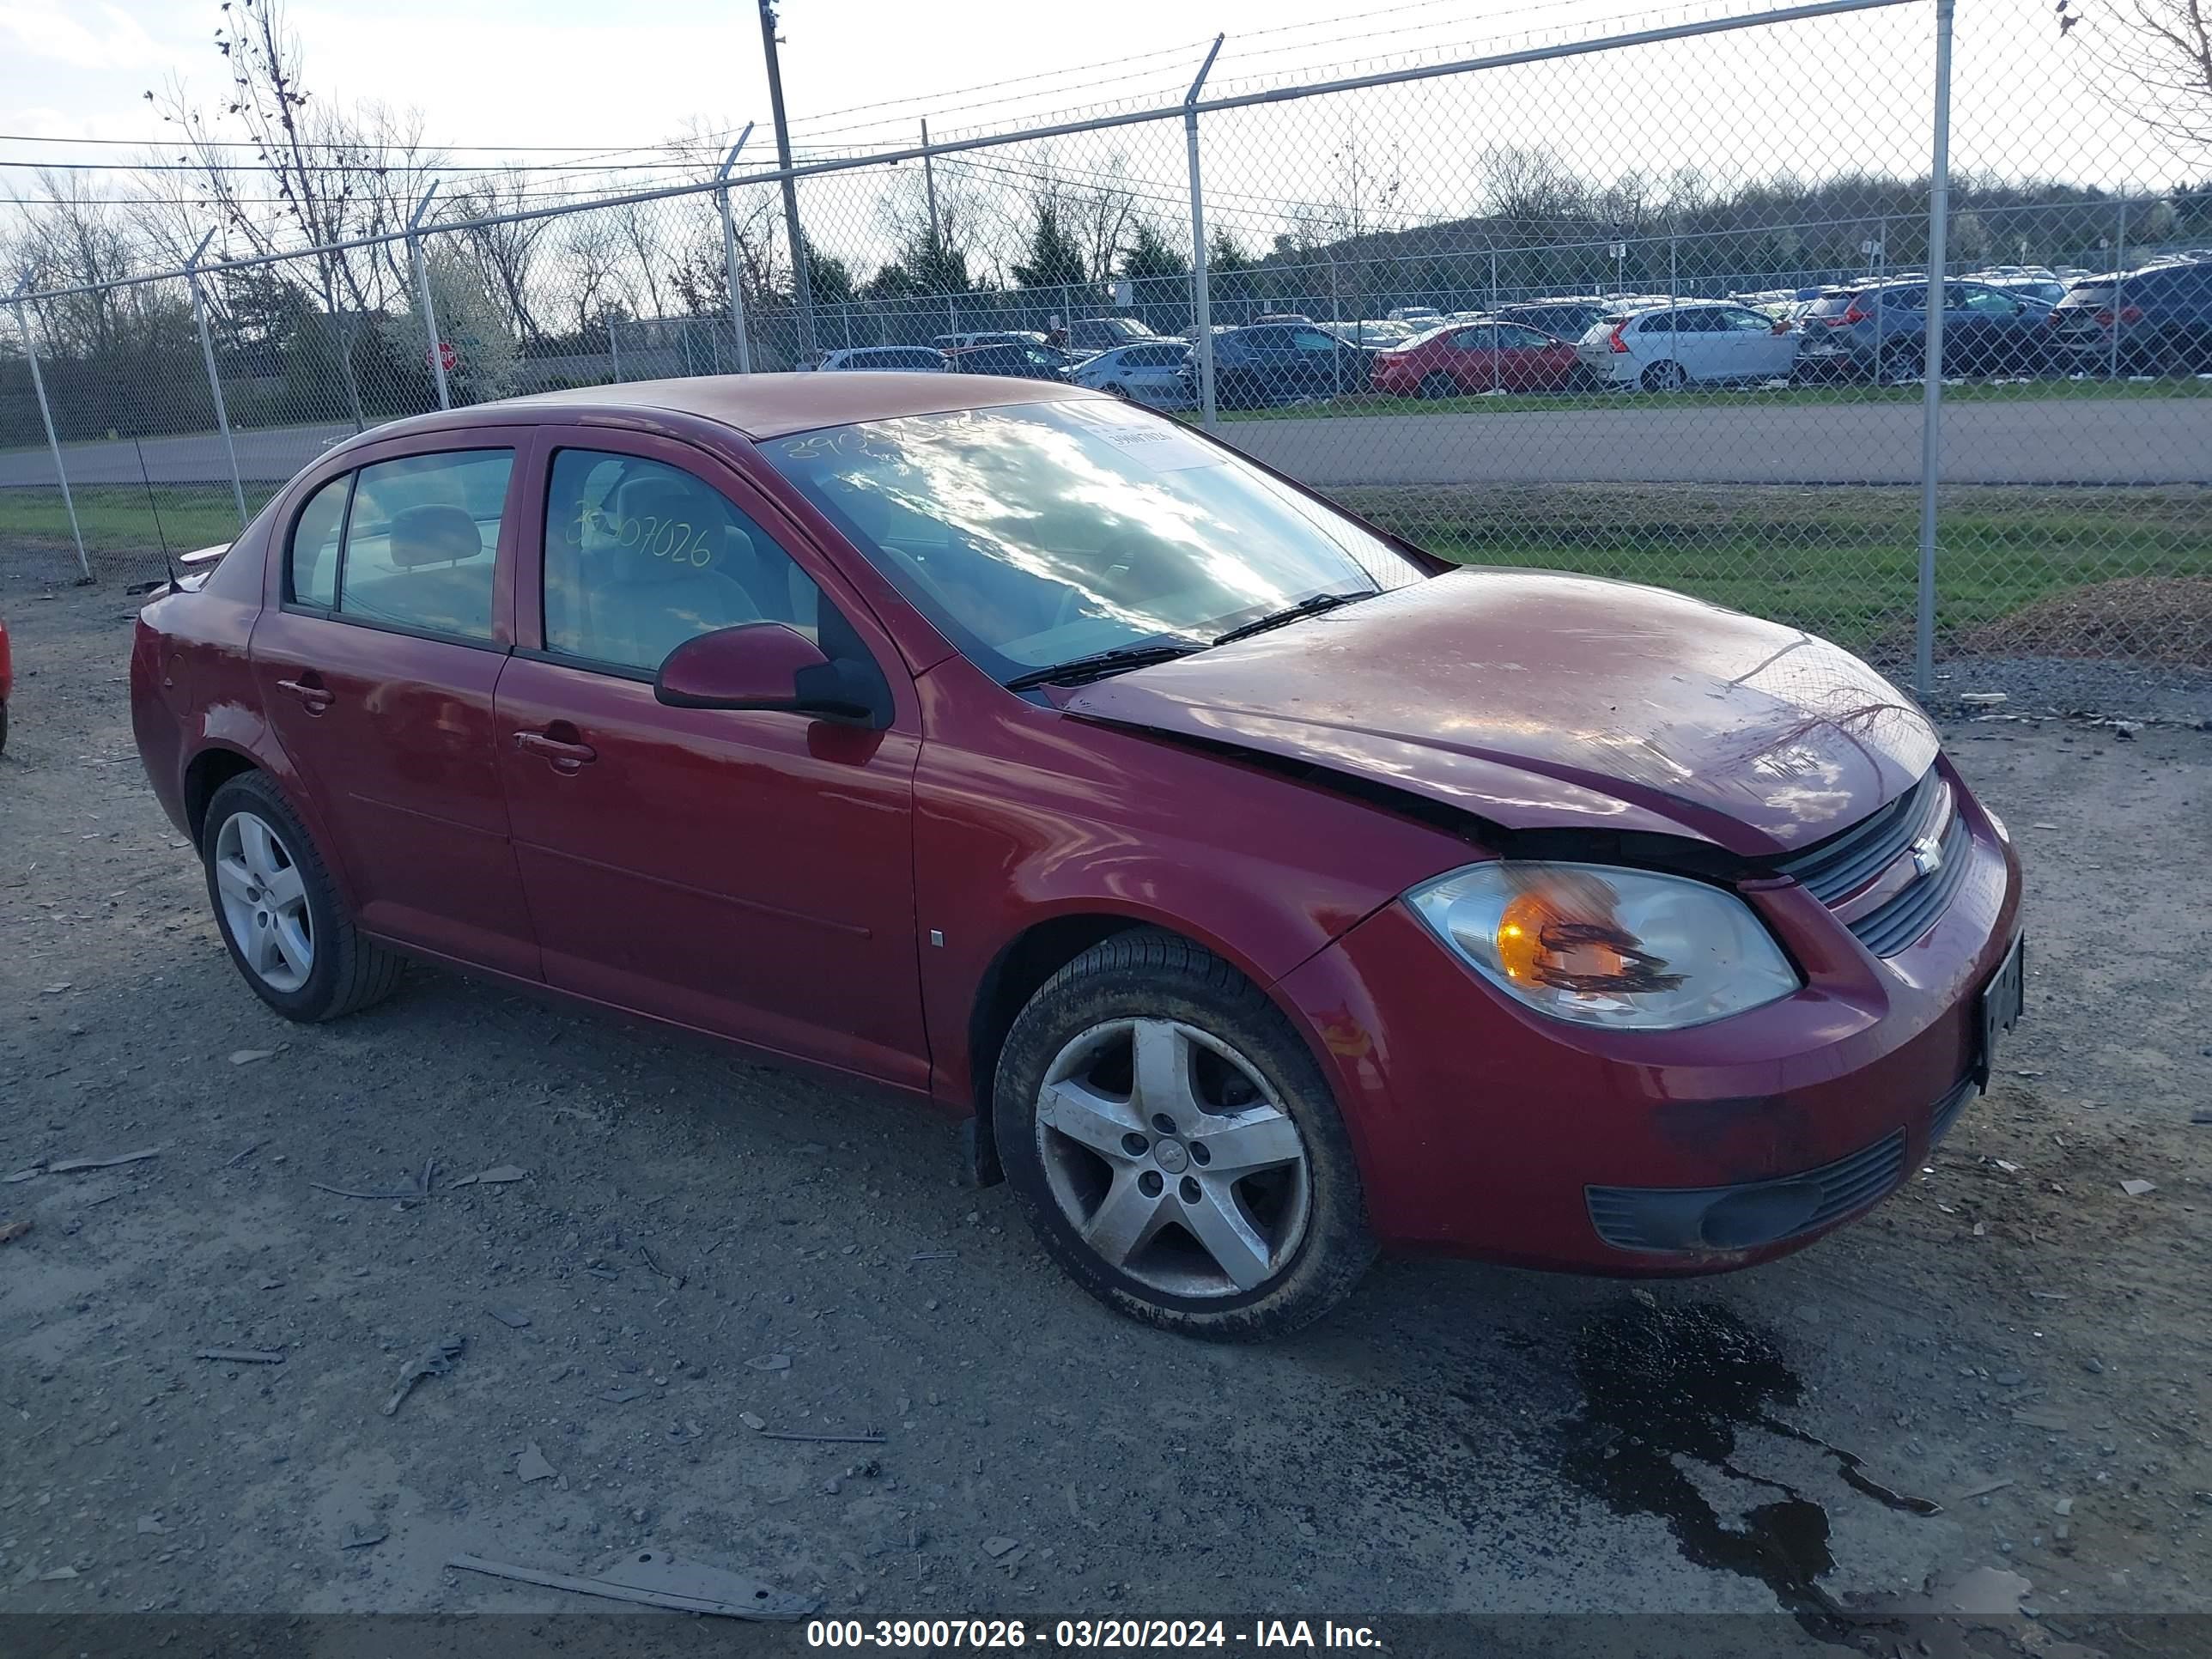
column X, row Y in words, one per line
column 1665, row 1385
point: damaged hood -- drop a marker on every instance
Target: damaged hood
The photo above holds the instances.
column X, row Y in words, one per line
column 1546, row 702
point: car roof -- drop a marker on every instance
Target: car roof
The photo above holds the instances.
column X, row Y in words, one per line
column 754, row 405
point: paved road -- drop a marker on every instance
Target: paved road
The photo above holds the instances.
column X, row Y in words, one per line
column 2042, row 441
column 2047, row 440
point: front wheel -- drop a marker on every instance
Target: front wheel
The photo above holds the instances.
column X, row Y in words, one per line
column 279, row 912
column 1175, row 1145
column 1439, row 385
column 1665, row 377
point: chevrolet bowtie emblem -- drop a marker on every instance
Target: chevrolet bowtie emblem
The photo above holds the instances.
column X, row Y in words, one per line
column 1927, row 855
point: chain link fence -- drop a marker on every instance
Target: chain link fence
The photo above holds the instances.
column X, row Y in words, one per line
column 1876, row 316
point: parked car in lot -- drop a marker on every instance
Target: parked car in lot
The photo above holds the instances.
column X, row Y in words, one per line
column 1268, row 891
column 1021, row 360
column 1416, row 317
column 1691, row 342
column 1274, row 362
column 1088, row 334
column 1882, row 329
column 911, row 360
column 990, row 337
column 2159, row 318
column 1562, row 319
column 1475, row 357
column 1376, row 336
column 1151, row 372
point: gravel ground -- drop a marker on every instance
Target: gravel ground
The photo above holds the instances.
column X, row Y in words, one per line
column 702, row 1253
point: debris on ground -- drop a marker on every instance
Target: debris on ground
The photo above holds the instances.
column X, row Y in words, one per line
column 2137, row 1188
column 71, row 1165
column 655, row 1579
column 247, row 1056
column 243, row 1356
column 1985, row 699
column 623, row 1396
column 995, row 1547
column 514, row 1318
column 752, row 1421
column 872, row 1438
column 532, row 1464
column 498, row 1176
column 12, row 1230
column 359, row 1537
column 771, row 1362
column 150, row 1525
column 434, row 1361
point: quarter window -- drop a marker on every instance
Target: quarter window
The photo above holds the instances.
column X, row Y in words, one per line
column 640, row 556
column 421, row 538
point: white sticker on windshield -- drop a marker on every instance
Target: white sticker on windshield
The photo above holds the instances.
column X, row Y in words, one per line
column 1160, row 445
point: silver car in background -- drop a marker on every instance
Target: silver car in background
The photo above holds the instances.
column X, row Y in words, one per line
column 1148, row 372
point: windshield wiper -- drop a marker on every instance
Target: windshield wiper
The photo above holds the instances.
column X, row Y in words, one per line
column 1076, row 671
column 1312, row 607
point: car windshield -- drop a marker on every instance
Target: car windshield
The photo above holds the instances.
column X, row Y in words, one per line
column 1038, row 533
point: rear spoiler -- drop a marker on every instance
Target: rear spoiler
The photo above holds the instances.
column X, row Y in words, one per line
column 201, row 557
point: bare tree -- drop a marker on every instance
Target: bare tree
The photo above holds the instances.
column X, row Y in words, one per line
column 505, row 253
column 2155, row 57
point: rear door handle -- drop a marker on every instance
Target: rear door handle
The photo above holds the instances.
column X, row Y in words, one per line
column 310, row 691
column 565, row 757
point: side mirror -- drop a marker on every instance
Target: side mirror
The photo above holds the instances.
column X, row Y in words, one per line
column 766, row 666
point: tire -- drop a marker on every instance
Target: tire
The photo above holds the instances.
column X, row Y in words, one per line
column 1439, row 385
column 1115, row 389
column 1295, row 1224
column 4, row 728
column 2172, row 359
column 344, row 972
column 1902, row 363
column 1667, row 376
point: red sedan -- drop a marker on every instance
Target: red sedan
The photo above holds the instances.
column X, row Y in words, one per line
column 1265, row 890
column 1475, row 357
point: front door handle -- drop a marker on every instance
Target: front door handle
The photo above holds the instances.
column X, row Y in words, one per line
column 310, row 691
column 565, row 757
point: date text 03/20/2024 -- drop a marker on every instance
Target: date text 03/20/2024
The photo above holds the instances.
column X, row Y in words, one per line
column 1086, row 1633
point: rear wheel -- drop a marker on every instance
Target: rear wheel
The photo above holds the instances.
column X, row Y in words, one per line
column 1665, row 377
column 1439, row 385
column 1904, row 363
column 1117, row 389
column 1175, row 1145
column 2173, row 358
column 279, row 912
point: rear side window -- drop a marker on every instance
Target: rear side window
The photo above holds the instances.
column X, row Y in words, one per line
column 422, row 540
column 312, row 562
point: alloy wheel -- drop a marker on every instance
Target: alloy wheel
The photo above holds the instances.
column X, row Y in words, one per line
column 1172, row 1159
column 265, row 902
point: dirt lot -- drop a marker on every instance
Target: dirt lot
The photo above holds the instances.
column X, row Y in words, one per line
column 700, row 1246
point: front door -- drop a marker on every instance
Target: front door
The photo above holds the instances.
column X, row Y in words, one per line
column 747, row 873
column 376, row 666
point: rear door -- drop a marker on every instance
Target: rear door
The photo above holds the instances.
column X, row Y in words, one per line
column 1756, row 346
column 376, row 663
column 749, row 873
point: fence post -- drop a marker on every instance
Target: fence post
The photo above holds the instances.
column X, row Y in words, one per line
column 1931, row 357
column 46, row 415
column 2119, row 264
column 215, row 380
column 423, row 292
column 730, row 255
column 1201, row 302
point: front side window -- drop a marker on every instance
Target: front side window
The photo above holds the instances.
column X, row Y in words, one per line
column 640, row 556
column 1033, row 534
column 311, row 563
column 421, row 542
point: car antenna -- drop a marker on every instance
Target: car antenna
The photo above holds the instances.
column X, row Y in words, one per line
column 161, row 535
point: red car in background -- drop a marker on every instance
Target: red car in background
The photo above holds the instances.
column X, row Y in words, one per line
column 1467, row 358
column 1267, row 889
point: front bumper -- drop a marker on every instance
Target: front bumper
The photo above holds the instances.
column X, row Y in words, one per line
column 1484, row 1128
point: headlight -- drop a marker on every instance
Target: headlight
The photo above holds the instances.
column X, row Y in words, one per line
column 1603, row 946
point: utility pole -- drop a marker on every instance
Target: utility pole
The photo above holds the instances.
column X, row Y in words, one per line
column 801, row 287
column 929, row 182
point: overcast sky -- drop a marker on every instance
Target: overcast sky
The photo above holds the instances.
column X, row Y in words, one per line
column 489, row 74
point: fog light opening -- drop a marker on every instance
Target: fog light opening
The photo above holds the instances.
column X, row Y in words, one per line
column 1746, row 1220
